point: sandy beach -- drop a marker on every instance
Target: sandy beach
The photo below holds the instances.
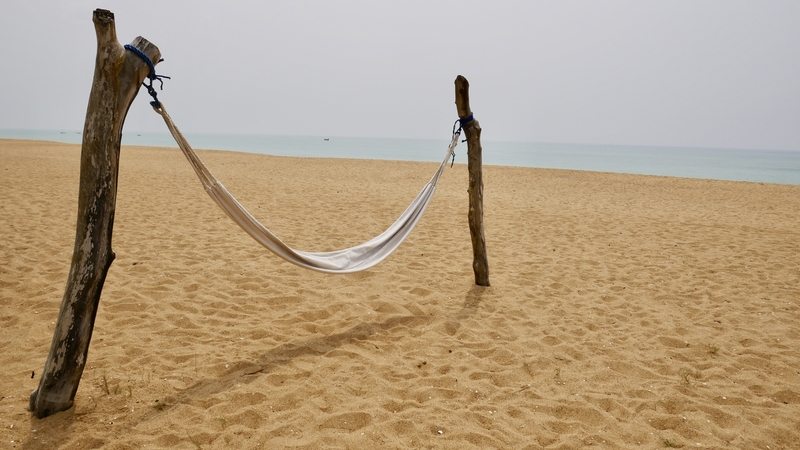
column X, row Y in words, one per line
column 625, row 311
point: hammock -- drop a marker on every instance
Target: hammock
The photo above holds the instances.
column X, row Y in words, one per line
column 353, row 259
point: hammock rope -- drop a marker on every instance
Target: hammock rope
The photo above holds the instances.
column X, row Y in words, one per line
column 349, row 260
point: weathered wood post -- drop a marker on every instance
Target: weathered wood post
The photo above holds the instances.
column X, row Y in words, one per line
column 472, row 129
column 118, row 74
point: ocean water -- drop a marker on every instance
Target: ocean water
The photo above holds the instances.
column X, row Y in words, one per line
column 766, row 166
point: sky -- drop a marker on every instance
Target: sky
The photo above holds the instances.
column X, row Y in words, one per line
column 696, row 73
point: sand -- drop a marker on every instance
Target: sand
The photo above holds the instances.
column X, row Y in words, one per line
column 625, row 311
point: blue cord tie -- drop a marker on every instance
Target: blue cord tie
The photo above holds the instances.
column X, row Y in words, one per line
column 150, row 76
column 461, row 123
column 457, row 131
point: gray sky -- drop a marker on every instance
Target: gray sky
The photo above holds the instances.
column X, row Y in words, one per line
column 677, row 73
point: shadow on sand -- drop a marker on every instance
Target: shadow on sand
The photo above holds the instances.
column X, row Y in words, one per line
column 58, row 427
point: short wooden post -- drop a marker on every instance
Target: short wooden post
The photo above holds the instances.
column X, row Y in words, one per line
column 118, row 75
column 472, row 130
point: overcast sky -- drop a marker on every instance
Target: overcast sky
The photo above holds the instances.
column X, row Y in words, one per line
column 676, row 73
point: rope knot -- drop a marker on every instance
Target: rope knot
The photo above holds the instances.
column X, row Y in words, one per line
column 457, row 126
column 463, row 123
column 150, row 76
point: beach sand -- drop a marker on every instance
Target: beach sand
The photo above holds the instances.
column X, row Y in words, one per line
column 625, row 311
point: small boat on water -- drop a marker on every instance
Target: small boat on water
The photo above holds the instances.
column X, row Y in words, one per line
column 327, row 139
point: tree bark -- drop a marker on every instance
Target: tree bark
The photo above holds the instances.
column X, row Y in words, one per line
column 117, row 77
column 472, row 130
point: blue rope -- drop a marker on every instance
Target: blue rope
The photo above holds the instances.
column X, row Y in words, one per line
column 457, row 131
column 150, row 76
column 462, row 123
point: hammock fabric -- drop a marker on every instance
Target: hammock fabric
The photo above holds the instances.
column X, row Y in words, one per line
column 353, row 259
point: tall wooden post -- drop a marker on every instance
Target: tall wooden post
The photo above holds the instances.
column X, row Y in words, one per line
column 118, row 74
column 472, row 130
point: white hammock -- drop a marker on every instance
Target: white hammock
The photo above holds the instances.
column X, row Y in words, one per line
column 353, row 259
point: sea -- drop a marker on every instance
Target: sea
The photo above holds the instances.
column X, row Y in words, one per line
column 763, row 166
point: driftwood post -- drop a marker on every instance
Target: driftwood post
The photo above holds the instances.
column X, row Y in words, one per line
column 472, row 130
column 118, row 74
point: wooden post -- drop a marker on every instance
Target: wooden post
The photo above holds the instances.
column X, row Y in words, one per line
column 472, row 130
column 118, row 74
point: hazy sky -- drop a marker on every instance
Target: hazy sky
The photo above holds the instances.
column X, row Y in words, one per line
column 679, row 73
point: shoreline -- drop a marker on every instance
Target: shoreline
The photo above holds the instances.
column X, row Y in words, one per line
column 759, row 166
column 766, row 174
